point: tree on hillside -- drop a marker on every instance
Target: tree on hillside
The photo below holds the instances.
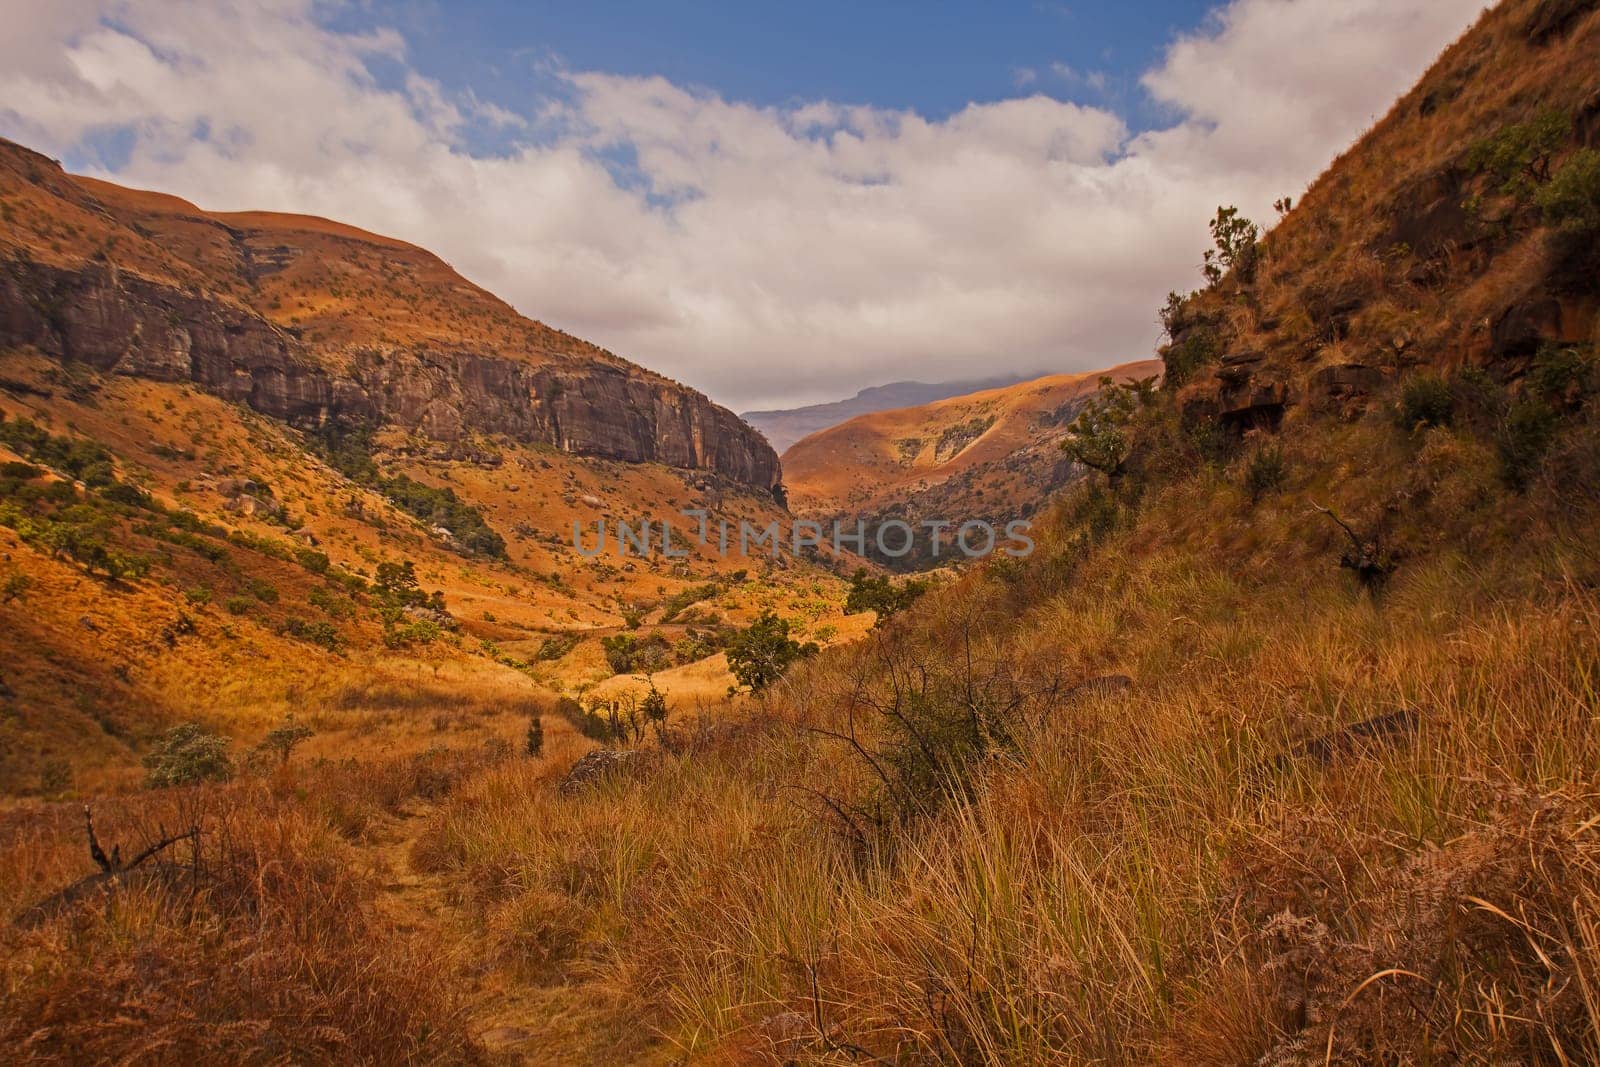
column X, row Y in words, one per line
column 1235, row 238
column 759, row 654
column 1099, row 437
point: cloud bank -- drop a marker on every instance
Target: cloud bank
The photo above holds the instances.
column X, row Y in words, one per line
column 769, row 256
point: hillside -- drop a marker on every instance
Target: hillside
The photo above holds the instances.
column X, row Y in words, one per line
column 1280, row 751
column 309, row 320
column 216, row 432
column 784, row 426
column 992, row 455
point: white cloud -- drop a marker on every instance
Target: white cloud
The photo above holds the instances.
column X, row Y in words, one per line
column 765, row 255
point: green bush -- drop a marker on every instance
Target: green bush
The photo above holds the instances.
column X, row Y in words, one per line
column 760, row 654
column 1426, row 400
column 262, row 590
column 187, row 754
column 1518, row 156
column 1265, row 472
column 627, row 653
column 1530, row 426
column 1571, row 199
column 414, row 632
column 331, row 603
column 312, row 560
column 1181, row 360
column 314, row 631
column 238, row 605
column 16, row 585
column 877, row 593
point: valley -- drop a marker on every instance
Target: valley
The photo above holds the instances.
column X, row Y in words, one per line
column 325, row 739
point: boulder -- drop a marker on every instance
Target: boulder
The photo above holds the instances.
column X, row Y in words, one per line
column 595, row 767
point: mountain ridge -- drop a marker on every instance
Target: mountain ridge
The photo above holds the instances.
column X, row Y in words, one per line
column 785, row 426
column 312, row 321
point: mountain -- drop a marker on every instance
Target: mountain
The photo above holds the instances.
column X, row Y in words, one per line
column 783, row 427
column 991, row 455
column 311, row 321
column 220, row 433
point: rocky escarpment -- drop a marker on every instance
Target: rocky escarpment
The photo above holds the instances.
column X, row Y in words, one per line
column 122, row 323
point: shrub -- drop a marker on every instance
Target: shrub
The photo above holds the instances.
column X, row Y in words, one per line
column 760, row 654
column 1234, row 237
column 1426, row 400
column 1100, row 438
column 16, row 585
column 674, row 605
column 533, row 745
column 626, row 653
column 187, row 754
column 877, row 593
column 199, row 596
column 1571, row 200
column 414, row 632
column 283, row 739
column 1181, row 359
column 316, row 631
column 1518, row 156
column 1530, row 426
column 1564, row 377
column 654, row 706
column 238, row 605
column 312, row 560
column 555, row 646
column 1265, row 472
column 330, row 602
column 263, row 591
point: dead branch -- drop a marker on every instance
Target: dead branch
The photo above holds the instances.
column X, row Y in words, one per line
column 1367, row 558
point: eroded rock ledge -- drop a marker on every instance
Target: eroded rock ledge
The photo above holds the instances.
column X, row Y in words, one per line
column 121, row 323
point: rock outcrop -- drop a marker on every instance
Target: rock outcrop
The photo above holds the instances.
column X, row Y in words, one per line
column 124, row 324
column 473, row 366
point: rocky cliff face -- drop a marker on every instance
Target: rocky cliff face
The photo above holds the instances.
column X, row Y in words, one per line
column 205, row 318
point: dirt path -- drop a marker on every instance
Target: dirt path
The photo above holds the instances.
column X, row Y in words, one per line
column 518, row 1022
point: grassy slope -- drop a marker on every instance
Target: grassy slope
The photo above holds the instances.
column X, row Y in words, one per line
column 91, row 678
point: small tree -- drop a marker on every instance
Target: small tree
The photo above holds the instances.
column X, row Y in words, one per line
column 283, row 739
column 1235, row 239
column 759, row 654
column 654, row 705
column 534, row 745
column 869, row 592
column 187, row 754
column 1098, row 438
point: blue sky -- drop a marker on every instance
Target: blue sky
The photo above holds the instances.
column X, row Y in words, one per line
column 934, row 58
column 776, row 203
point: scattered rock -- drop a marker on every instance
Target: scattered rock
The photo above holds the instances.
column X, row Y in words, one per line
column 595, row 767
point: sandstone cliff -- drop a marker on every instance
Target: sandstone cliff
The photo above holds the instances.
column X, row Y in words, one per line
column 306, row 321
